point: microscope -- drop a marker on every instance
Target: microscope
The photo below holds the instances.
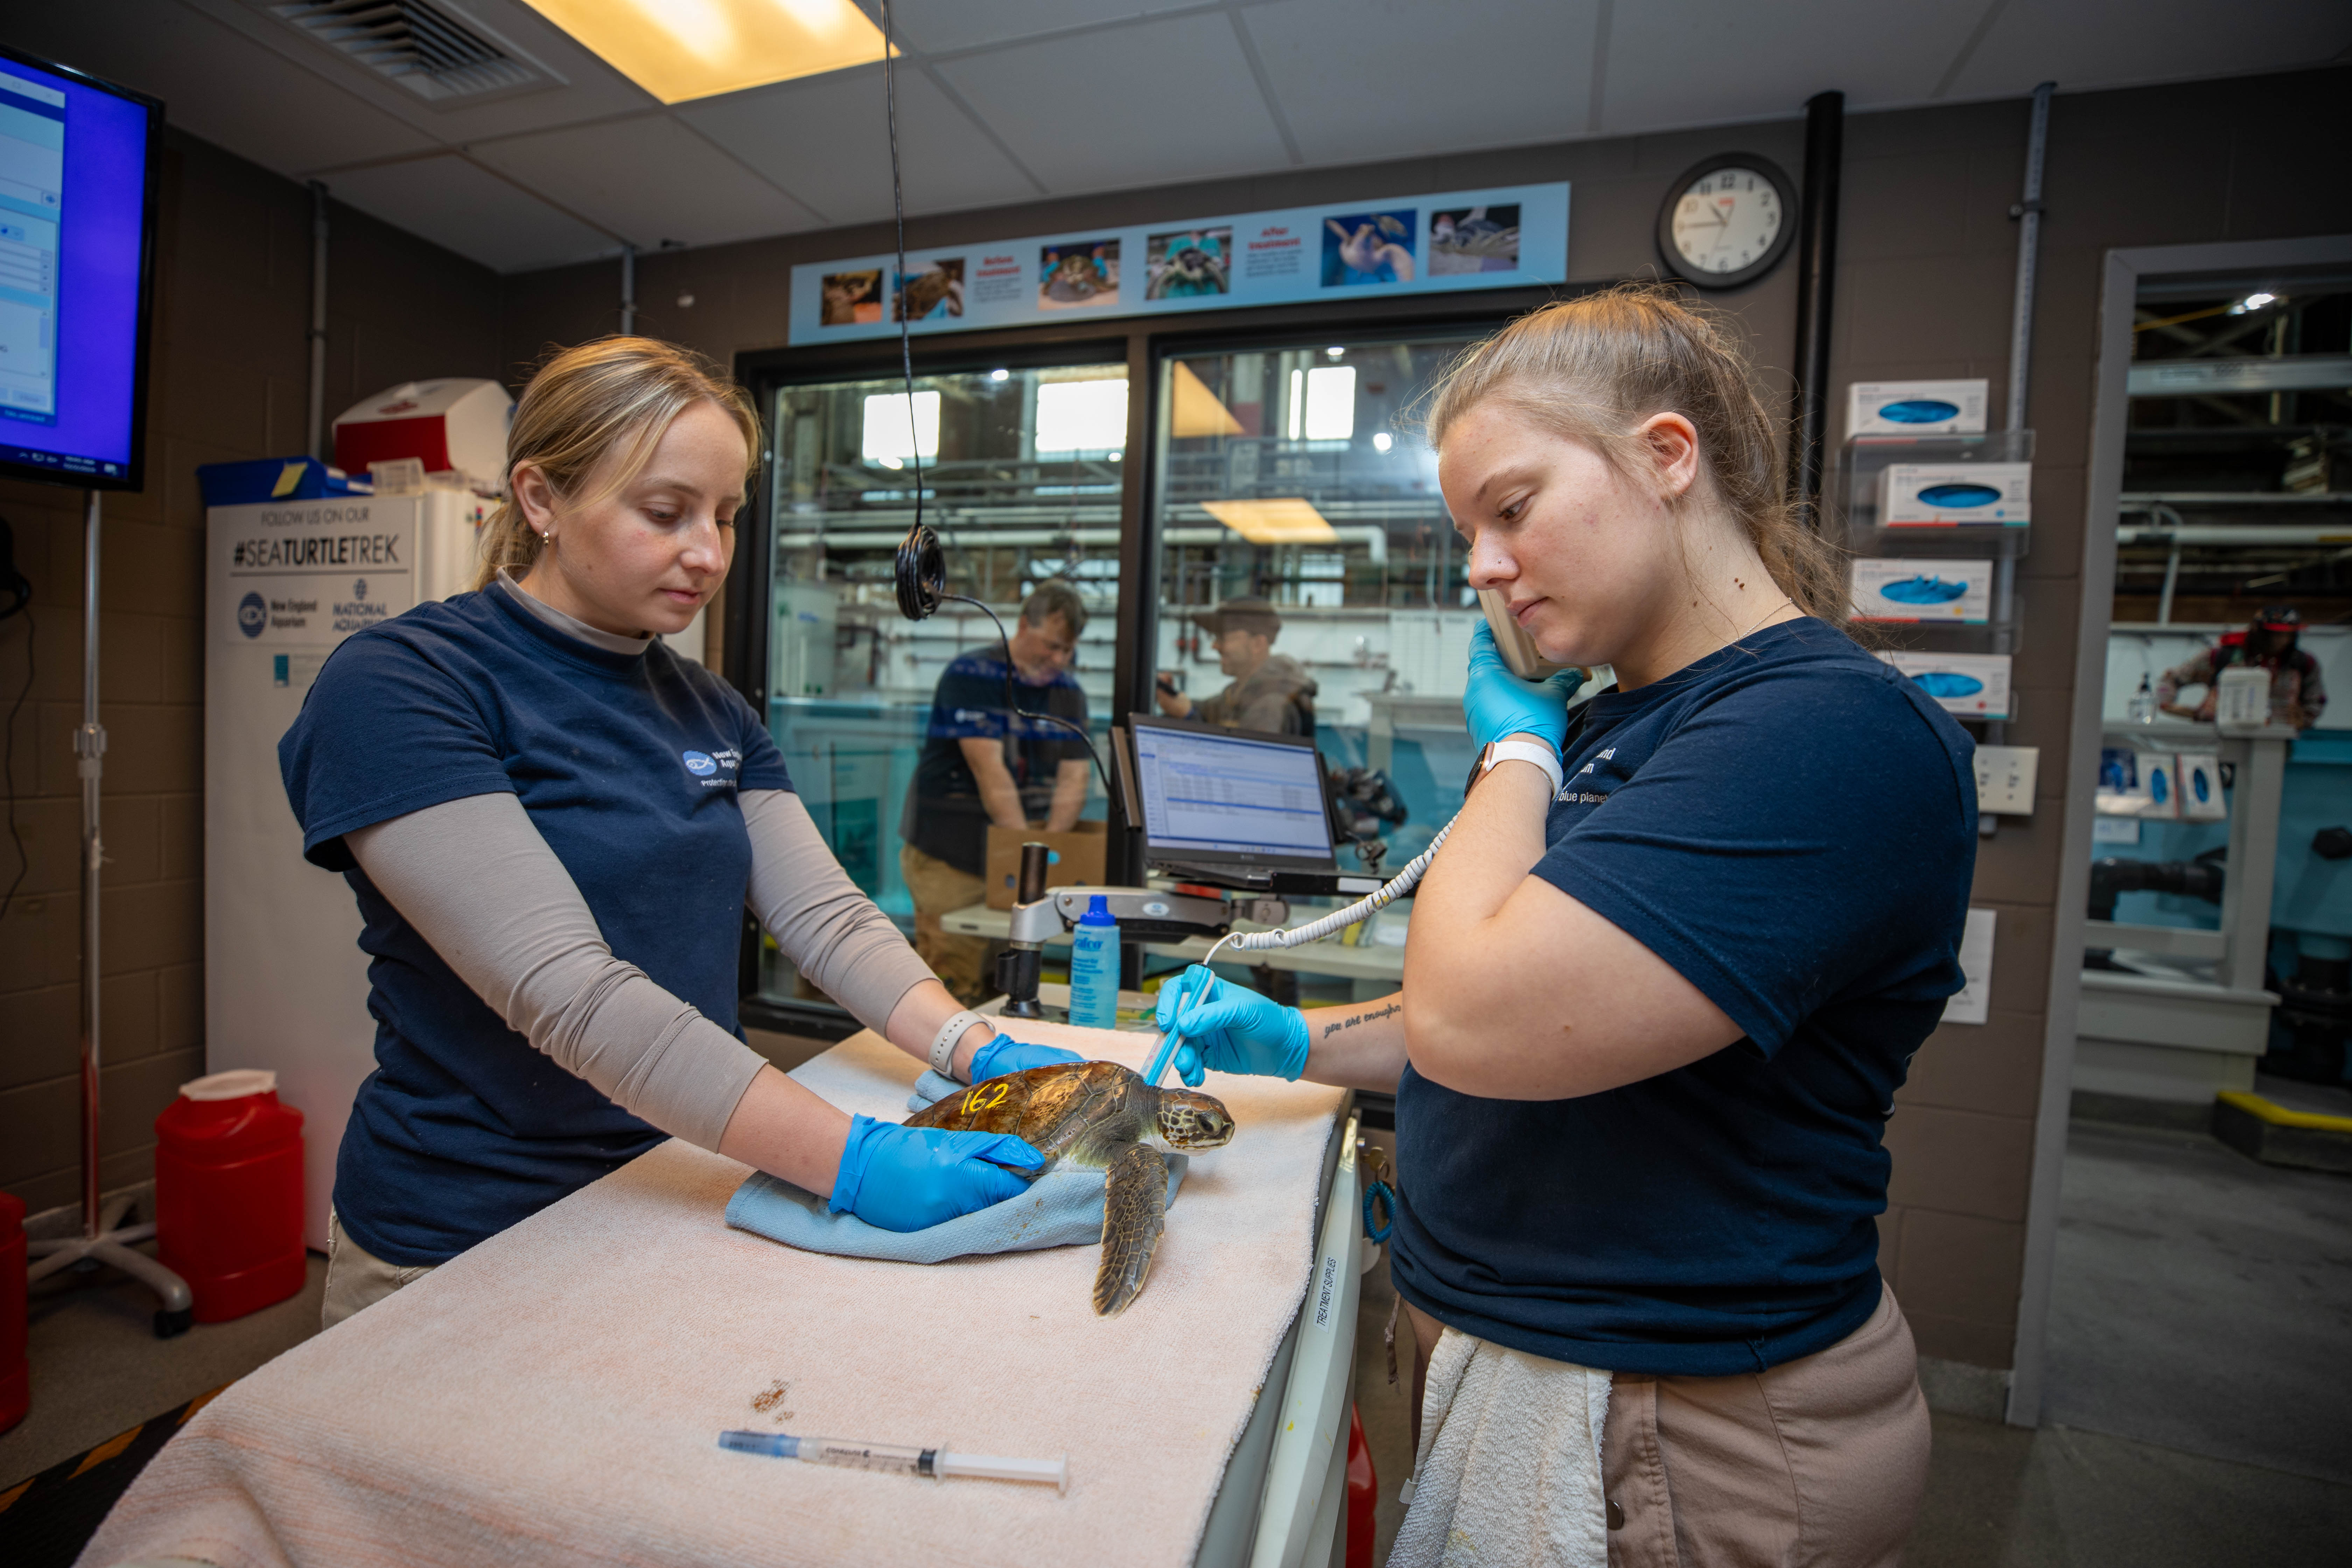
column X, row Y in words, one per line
column 1043, row 914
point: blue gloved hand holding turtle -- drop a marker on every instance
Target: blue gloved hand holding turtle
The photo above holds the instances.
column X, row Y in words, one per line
column 909, row 1178
column 1002, row 1056
column 1230, row 1029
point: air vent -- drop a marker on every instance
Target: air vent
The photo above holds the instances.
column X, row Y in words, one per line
column 421, row 46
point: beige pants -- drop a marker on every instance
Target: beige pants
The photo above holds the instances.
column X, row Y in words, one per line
column 960, row 961
column 357, row 1278
column 1819, row 1461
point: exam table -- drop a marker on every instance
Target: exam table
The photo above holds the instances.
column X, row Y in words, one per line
column 556, row 1394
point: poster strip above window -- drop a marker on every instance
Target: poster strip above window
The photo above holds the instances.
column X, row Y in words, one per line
column 1458, row 239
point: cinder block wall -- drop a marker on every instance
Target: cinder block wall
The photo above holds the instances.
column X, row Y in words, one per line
column 1926, row 270
column 228, row 378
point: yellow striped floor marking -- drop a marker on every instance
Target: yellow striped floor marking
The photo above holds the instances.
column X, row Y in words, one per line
column 2255, row 1106
column 200, row 1401
column 106, row 1450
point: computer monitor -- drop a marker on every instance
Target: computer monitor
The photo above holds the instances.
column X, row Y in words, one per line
column 78, row 172
column 1232, row 801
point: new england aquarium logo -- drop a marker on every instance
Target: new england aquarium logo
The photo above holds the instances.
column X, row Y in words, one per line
column 252, row 614
column 700, row 764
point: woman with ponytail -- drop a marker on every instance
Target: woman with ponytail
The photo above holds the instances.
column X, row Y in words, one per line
column 553, row 826
column 1661, row 984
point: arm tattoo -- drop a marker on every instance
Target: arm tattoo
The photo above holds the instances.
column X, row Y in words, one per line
column 1350, row 1022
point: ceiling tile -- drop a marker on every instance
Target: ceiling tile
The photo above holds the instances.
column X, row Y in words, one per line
column 648, row 179
column 214, row 82
column 933, row 25
column 471, row 211
column 1360, row 79
column 1705, row 62
column 2089, row 44
column 826, row 141
column 1138, row 106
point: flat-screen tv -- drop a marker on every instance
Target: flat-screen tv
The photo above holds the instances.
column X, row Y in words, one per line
column 78, row 170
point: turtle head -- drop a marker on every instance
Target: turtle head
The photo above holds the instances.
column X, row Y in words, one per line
column 1191, row 1121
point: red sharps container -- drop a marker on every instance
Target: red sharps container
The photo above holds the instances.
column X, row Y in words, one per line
column 229, row 1194
column 15, row 1378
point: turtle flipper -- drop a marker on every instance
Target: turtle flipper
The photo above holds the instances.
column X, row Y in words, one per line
column 1134, row 1205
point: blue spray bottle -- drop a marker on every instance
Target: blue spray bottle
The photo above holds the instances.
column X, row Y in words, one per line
column 1094, row 968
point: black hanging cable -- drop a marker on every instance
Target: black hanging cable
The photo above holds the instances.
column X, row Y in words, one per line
column 9, row 766
column 920, row 570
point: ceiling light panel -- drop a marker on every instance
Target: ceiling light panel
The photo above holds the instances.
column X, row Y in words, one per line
column 682, row 49
column 1289, row 521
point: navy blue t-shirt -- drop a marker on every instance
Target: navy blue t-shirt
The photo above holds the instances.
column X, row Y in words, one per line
column 945, row 817
column 628, row 765
column 1791, row 825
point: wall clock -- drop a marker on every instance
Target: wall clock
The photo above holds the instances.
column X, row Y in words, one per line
column 1727, row 221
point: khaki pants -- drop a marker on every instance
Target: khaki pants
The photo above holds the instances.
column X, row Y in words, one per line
column 357, row 1278
column 960, row 961
column 1822, row 1460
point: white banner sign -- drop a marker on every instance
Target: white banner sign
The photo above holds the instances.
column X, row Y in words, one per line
column 1498, row 238
column 310, row 573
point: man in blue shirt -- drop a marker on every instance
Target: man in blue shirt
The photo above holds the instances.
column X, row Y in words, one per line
column 981, row 765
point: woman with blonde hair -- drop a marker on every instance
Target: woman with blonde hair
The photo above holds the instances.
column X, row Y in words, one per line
column 553, row 825
column 1661, row 984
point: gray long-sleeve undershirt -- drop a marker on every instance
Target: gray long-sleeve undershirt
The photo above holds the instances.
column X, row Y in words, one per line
column 478, row 882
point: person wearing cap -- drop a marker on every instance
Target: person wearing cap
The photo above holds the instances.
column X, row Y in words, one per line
column 1267, row 690
column 2297, row 695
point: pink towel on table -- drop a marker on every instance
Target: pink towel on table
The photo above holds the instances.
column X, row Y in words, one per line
column 555, row 1395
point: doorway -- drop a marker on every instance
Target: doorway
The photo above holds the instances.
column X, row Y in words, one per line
column 2179, row 1292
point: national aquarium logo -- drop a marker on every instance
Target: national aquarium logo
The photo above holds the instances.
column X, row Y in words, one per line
column 359, row 611
column 252, row 614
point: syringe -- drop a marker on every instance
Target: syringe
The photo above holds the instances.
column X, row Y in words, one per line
column 889, row 1457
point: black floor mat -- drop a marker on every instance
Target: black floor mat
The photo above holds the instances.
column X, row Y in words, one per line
column 45, row 1522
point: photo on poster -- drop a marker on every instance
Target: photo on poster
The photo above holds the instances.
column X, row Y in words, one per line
column 934, row 293
column 1078, row 273
column 1187, row 264
column 1474, row 239
column 851, row 297
column 1368, row 247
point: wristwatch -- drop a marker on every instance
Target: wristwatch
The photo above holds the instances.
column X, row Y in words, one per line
column 1542, row 756
column 943, row 1044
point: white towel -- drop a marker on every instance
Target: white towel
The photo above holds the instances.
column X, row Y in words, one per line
column 1508, row 1472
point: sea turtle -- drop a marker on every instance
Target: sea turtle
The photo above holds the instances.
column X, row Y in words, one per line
column 1094, row 1115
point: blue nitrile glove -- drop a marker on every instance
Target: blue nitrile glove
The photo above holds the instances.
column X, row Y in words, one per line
column 1498, row 704
column 1002, row 1056
column 908, row 1178
column 1229, row 1027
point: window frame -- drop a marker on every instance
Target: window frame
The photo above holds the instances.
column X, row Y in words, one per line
column 1142, row 343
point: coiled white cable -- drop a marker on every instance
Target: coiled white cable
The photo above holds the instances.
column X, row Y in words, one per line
column 1369, row 904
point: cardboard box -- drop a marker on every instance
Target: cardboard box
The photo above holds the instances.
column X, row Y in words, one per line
column 1078, row 858
column 1955, row 495
column 1897, row 589
column 1974, row 685
column 1915, row 408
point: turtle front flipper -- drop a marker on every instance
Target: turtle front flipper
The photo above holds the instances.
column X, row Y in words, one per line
column 1135, row 1206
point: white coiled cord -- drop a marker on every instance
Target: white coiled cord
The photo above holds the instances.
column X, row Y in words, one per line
column 1371, row 904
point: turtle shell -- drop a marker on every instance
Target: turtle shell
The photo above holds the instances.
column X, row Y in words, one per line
column 1053, row 1108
